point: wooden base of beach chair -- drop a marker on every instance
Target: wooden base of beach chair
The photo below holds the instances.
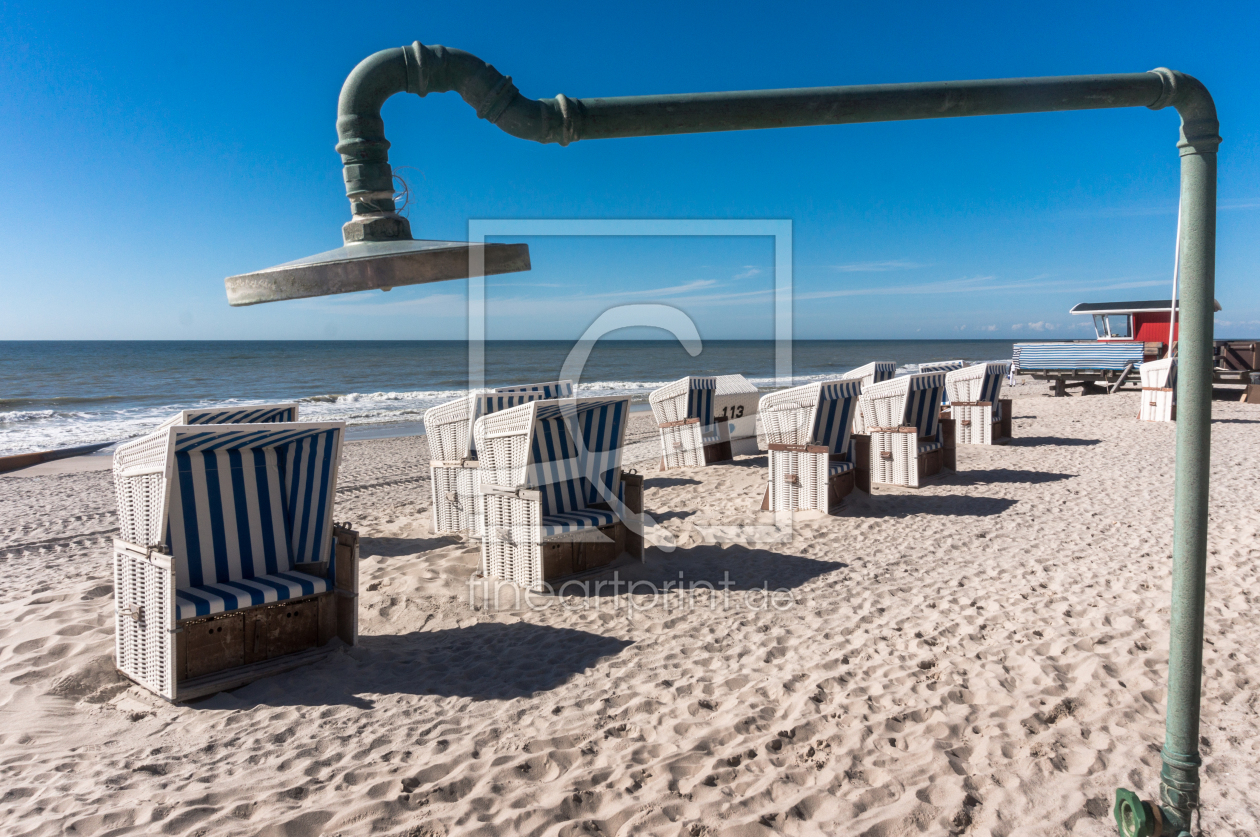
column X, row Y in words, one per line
column 566, row 558
column 561, row 559
column 207, row 654
column 862, row 456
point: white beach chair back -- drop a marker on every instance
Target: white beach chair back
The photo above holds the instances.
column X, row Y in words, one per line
column 980, row 382
column 871, row 373
column 1159, row 390
column 252, row 414
column 686, row 398
column 569, row 450
column 820, row 413
column 908, row 401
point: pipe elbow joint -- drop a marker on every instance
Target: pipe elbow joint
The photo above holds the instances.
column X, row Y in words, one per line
column 1200, row 129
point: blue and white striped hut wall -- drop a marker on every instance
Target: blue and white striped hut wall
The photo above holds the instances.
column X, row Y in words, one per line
column 565, row 475
column 247, row 502
column 833, row 417
column 1074, row 357
column 253, row 414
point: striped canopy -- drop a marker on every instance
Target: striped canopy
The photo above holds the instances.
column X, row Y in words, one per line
column 551, row 389
column 249, row 502
column 833, row 418
column 922, row 394
column 565, row 472
column 872, row 373
column 700, row 392
column 254, row 414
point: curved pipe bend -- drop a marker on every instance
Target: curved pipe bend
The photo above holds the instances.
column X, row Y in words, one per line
column 424, row 69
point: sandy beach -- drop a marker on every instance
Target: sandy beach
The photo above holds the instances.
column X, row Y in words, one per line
column 985, row 655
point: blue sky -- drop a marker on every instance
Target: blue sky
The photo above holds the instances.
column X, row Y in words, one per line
column 155, row 149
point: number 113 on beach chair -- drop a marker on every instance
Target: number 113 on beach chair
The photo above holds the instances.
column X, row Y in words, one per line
column 229, row 567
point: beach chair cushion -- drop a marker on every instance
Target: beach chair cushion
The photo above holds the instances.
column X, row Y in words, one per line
column 574, row 521
column 223, row 597
column 566, row 477
column 249, row 504
column 837, row 468
column 928, row 447
column 700, row 400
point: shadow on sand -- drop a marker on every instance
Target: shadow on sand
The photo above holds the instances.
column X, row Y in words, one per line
column 994, row 476
column 1051, row 441
column 486, row 661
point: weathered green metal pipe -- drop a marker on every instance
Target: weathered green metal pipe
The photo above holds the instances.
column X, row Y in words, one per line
column 422, row 70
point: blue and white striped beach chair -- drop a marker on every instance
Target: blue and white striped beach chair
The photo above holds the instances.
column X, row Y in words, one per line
column 453, row 454
column 684, row 413
column 228, row 564
column 1159, row 390
column 252, row 414
column 979, row 413
column 871, row 373
column 554, row 499
column 903, row 420
column 810, row 449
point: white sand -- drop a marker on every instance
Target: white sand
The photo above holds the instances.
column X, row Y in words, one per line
column 986, row 655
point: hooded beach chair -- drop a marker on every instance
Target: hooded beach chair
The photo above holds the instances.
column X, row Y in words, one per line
column 735, row 401
column 940, row 366
column 980, row 415
column 810, row 450
column 684, row 413
column 871, row 373
column 1159, row 390
column 228, row 566
column 554, row 499
column 253, row 414
column 453, row 456
column 907, row 436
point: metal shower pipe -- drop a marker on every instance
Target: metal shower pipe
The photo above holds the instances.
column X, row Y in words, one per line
column 424, row 69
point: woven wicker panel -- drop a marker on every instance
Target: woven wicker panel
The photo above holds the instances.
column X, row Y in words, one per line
column 144, row 618
column 510, row 546
column 682, row 446
column 448, row 427
column 798, row 481
column 973, row 425
column 1156, row 405
column 456, row 499
column 901, row 465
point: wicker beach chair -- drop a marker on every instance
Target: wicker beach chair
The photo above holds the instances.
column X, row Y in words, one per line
column 908, row 439
column 811, row 454
column 554, row 499
column 871, row 373
column 980, row 416
column 1159, row 390
column 684, row 413
column 229, row 567
column 253, row 414
column 735, row 404
column 452, row 453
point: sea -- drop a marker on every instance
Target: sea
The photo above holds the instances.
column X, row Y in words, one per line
column 59, row 394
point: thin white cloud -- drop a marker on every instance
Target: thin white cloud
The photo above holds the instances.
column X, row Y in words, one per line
column 749, row 272
column 988, row 328
column 875, row 267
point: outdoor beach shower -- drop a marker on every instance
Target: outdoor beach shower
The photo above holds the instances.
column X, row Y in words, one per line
column 379, row 252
